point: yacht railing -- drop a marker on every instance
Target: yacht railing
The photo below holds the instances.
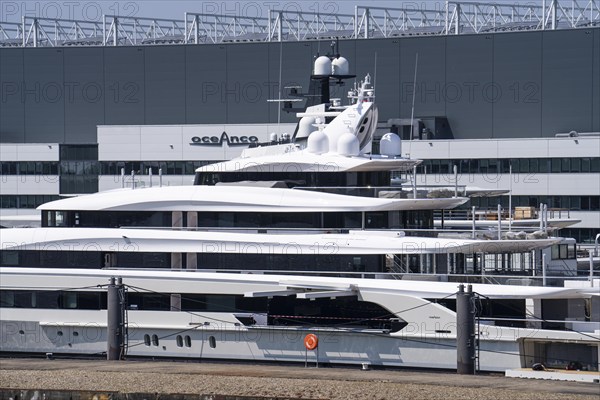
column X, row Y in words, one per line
column 419, row 232
column 422, row 191
column 482, row 234
column 515, row 280
column 567, row 325
column 491, row 214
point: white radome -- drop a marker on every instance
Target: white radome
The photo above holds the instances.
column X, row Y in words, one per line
column 348, row 145
column 318, row 143
column 323, row 66
column 340, row 66
column 390, row 145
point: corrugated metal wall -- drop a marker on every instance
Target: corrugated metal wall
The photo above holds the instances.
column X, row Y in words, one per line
column 527, row 84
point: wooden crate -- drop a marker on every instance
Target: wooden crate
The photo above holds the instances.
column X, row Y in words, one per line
column 524, row 212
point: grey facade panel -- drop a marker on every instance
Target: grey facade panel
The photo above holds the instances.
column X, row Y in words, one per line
column 43, row 80
column 205, row 74
column 386, row 77
column 12, row 107
column 165, row 84
column 525, row 84
column 596, row 78
column 518, row 85
column 430, row 86
column 469, row 85
column 84, row 94
column 124, row 87
column 567, row 76
column 245, row 91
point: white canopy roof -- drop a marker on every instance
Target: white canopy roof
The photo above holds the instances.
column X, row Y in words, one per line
column 303, row 161
column 285, row 242
column 198, row 282
column 239, row 199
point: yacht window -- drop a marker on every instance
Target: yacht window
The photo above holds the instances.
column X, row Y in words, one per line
column 572, row 252
column 188, row 341
column 346, row 311
column 556, row 165
column 155, row 340
column 179, row 341
column 61, row 218
column 212, row 342
column 52, row 299
column 9, row 258
column 69, row 300
column 149, row 301
column 23, row 299
column 7, row 298
column 147, row 340
column 560, row 251
column 45, row 299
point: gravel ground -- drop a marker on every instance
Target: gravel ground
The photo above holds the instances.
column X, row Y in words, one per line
column 287, row 382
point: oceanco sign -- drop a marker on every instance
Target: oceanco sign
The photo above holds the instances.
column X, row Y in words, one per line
column 225, row 138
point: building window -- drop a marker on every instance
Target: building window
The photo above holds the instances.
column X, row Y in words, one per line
column 79, row 169
column 26, row 201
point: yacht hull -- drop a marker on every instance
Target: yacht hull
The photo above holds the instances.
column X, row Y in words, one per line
column 409, row 328
column 226, row 342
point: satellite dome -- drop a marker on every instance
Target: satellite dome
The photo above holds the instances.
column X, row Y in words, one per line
column 323, row 66
column 318, row 143
column 390, row 145
column 340, row 66
column 305, row 127
column 273, row 137
column 348, row 145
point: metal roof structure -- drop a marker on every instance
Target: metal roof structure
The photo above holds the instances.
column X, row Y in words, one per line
column 455, row 18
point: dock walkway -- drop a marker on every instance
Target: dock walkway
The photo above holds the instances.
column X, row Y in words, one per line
column 272, row 381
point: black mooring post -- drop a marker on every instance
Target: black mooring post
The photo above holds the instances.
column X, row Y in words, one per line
column 114, row 342
column 465, row 333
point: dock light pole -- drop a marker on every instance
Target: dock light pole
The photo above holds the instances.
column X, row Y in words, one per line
column 465, row 332
column 115, row 341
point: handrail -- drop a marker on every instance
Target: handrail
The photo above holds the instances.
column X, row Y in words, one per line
column 454, row 18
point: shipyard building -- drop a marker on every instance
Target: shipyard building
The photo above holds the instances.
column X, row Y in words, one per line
column 79, row 106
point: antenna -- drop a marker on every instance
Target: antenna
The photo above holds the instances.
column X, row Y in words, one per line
column 280, row 84
column 375, row 77
column 412, row 114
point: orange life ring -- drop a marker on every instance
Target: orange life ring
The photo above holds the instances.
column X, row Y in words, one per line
column 311, row 341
